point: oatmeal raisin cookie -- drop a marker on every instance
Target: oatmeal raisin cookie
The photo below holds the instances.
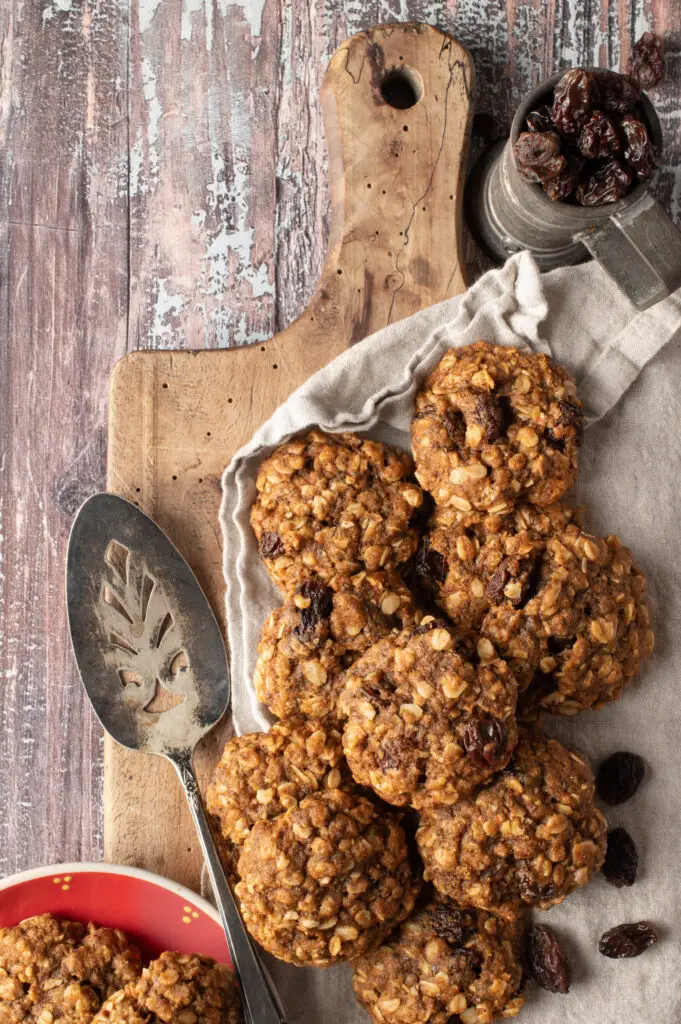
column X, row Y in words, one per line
column 326, row 881
column 177, row 989
column 596, row 635
column 496, row 425
column 261, row 775
column 533, row 835
column 61, row 970
column 334, row 503
column 443, row 964
column 567, row 610
column 309, row 642
column 425, row 724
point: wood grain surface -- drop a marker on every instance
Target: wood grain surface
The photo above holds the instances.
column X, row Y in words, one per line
column 163, row 184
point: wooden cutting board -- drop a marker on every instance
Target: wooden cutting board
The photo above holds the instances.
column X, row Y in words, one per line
column 176, row 418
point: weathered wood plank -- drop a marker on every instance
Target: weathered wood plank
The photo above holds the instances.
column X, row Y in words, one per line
column 63, row 269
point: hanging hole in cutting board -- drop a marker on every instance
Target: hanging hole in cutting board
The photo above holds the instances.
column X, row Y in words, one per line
column 402, row 88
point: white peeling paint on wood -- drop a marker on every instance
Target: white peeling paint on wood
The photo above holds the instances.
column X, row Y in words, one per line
column 147, row 10
column 252, row 11
column 154, row 118
column 166, row 308
column 191, row 7
column 54, row 7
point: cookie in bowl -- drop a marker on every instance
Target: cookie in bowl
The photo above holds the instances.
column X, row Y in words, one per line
column 61, row 970
column 443, row 964
column 532, row 836
column 326, row 881
column 177, row 989
column 334, row 503
column 494, row 426
column 308, row 643
column 426, row 721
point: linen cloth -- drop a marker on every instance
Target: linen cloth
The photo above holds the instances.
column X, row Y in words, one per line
column 628, row 369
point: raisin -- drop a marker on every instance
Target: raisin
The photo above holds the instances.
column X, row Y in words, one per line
column 615, row 93
column 540, row 120
column 538, row 157
column 558, row 644
column 638, row 152
column 484, row 739
column 645, row 65
column 529, row 889
column 572, row 100
column 492, row 414
column 547, row 962
column 448, row 923
column 431, row 565
column 619, row 777
column 455, row 425
column 627, row 940
column 271, row 545
column 497, row 582
column 570, row 424
column 561, row 187
column 524, row 571
column 621, row 859
column 599, row 137
column 319, row 608
column 608, row 184
column 390, row 757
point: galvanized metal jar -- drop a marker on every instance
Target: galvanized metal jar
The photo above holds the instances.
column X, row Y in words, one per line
column 634, row 239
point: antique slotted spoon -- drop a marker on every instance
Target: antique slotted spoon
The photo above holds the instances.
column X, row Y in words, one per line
column 154, row 666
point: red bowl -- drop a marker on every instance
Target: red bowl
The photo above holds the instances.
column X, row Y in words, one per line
column 155, row 913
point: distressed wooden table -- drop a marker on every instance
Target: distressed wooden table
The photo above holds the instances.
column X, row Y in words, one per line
column 163, row 184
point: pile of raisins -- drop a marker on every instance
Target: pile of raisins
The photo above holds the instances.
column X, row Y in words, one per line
column 592, row 145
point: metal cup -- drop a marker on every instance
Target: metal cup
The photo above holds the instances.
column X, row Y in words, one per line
column 634, row 239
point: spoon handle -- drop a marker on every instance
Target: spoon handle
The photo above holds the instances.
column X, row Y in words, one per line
column 259, row 1001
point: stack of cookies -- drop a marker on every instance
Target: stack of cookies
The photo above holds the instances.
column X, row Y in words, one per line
column 432, row 611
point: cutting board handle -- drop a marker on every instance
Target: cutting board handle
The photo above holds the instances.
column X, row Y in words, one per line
column 398, row 105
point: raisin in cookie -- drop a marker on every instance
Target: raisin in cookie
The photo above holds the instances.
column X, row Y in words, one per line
column 309, row 642
column 61, row 970
column 425, row 723
column 533, row 835
column 326, row 881
column 334, row 503
column 177, row 989
column 474, row 561
column 496, row 425
column 443, row 964
column 261, row 775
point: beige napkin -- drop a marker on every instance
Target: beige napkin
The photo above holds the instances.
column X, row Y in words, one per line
column 628, row 370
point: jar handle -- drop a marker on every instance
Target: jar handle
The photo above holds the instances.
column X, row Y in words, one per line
column 640, row 248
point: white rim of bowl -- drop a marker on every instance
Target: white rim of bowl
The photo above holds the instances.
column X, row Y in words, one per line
column 82, row 867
